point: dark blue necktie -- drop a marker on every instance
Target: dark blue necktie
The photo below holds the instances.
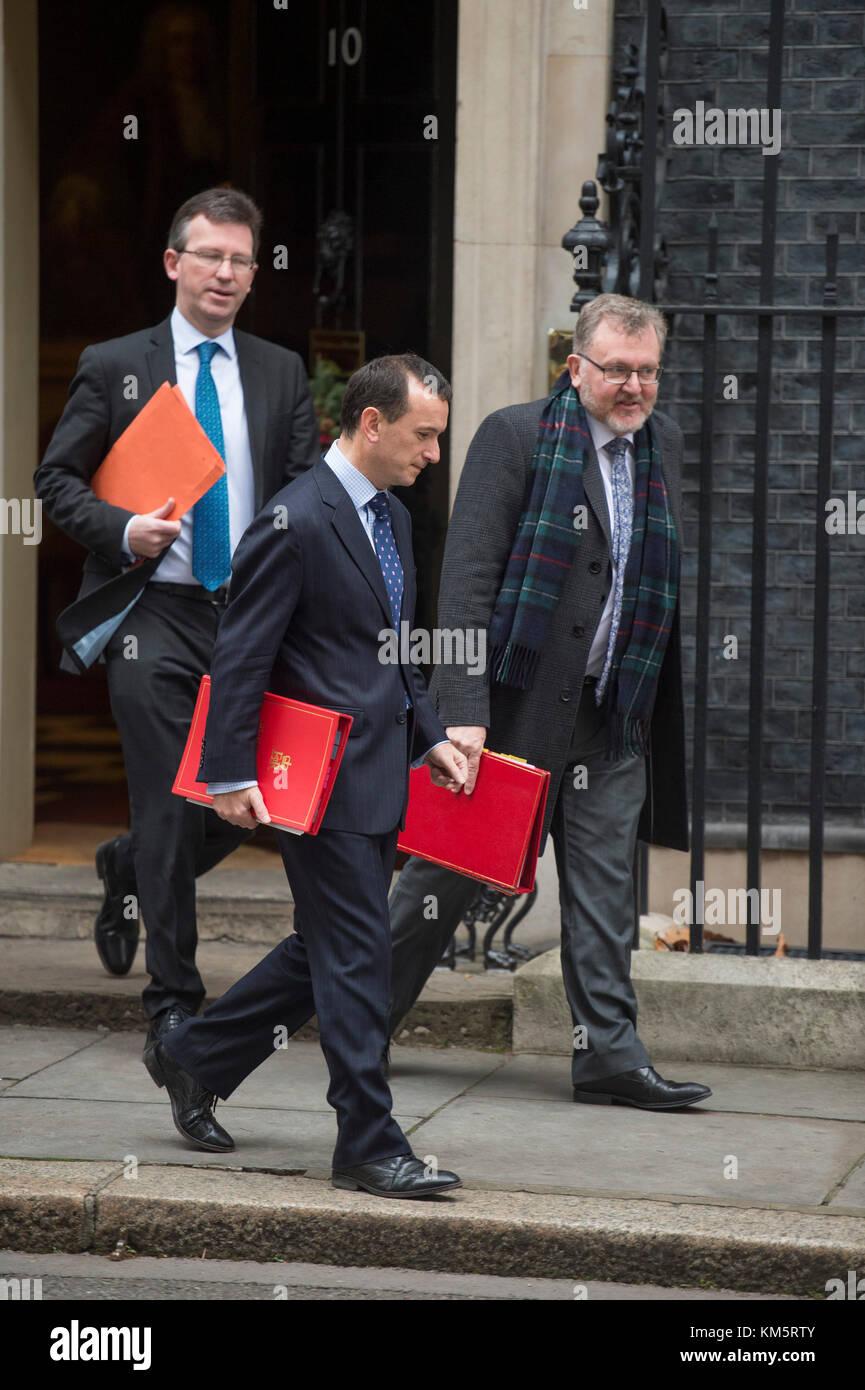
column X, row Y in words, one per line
column 388, row 555
column 211, row 535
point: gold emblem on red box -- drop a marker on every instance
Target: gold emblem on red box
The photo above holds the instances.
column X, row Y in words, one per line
column 279, row 760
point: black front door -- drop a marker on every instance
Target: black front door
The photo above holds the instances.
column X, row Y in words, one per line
column 347, row 138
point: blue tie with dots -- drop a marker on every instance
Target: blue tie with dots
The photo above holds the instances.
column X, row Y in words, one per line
column 385, row 549
column 211, row 535
column 623, row 516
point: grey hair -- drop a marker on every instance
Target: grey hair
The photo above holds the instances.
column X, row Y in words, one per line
column 632, row 316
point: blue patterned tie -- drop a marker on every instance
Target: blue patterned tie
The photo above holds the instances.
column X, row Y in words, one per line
column 623, row 515
column 211, row 536
column 388, row 556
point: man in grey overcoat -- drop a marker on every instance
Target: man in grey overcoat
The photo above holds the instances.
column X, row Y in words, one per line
column 564, row 547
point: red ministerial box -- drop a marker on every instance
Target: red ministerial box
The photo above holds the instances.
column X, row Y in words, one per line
column 300, row 748
column 493, row 835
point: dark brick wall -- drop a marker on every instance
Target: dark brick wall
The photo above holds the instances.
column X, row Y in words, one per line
column 718, row 54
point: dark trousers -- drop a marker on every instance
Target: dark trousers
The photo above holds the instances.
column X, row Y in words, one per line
column 155, row 662
column 336, row 965
column 594, row 830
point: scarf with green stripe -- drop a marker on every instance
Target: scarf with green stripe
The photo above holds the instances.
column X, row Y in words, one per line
column 546, row 544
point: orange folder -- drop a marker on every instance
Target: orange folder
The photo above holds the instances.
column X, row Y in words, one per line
column 300, row 748
column 163, row 453
column 493, row 835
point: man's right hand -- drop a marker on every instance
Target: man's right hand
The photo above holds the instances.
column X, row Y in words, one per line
column 469, row 739
column 244, row 808
column 150, row 533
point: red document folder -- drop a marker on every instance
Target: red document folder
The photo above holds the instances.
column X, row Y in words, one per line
column 492, row 835
column 163, row 453
column 300, row 748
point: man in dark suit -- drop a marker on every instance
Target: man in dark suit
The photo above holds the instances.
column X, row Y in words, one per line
column 154, row 590
column 558, row 500
column 320, row 581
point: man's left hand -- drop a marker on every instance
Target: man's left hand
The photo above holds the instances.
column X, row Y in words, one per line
column 447, row 767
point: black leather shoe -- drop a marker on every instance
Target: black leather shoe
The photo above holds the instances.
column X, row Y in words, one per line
column 643, row 1088
column 191, row 1105
column 403, row 1176
column 164, row 1021
column 116, row 936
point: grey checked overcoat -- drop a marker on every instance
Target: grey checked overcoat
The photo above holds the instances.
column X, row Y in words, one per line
column 537, row 724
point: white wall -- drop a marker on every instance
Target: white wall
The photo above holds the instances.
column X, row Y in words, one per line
column 19, row 347
column 532, row 93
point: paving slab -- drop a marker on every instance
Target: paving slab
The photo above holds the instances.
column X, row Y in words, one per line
column 753, row 1090
column 24, row 1051
column 108, row 1067
column 112, row 1070
column 542, row 1144
column 285, row 1140
column 851, row 1193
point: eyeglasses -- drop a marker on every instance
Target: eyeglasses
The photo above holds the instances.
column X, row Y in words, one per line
column 617, row 376
column 239, row 264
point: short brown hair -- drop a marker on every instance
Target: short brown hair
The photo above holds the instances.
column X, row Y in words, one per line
column 632, row 316
column 383, row 383
column 218, row 205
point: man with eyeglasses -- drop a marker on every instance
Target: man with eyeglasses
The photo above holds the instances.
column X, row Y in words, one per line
column 564, row 545
column 154, row 590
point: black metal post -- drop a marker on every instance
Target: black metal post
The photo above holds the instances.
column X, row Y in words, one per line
column 650, row 145
column 820, row 640
column 704, row 588
column 761, row 487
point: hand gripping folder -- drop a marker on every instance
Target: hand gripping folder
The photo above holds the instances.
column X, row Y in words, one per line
column 493, row 835
column 163, row 453
column 300, row 748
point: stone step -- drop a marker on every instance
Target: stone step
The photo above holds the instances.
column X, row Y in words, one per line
column 61, row 902
column 61, row 983
column 715, row 1008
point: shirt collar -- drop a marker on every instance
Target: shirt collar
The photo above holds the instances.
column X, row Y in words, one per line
column 602, row 434
column 357, row 484
column 187, row 337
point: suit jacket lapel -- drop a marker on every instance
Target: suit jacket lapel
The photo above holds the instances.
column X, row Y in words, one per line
column 401, row 534
column 255, row 404
column 593, row 487
column 159, row 358
column 349, row 528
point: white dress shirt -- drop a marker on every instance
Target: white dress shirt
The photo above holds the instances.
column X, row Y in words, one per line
column 176, row 568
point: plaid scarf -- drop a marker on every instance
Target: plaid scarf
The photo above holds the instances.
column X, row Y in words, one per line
column 547, row 540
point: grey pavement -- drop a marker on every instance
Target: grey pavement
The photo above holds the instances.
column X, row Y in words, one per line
column 99, row 1278
column 761, row 1188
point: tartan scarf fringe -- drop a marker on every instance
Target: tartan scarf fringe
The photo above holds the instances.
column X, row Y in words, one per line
column 511, row 663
